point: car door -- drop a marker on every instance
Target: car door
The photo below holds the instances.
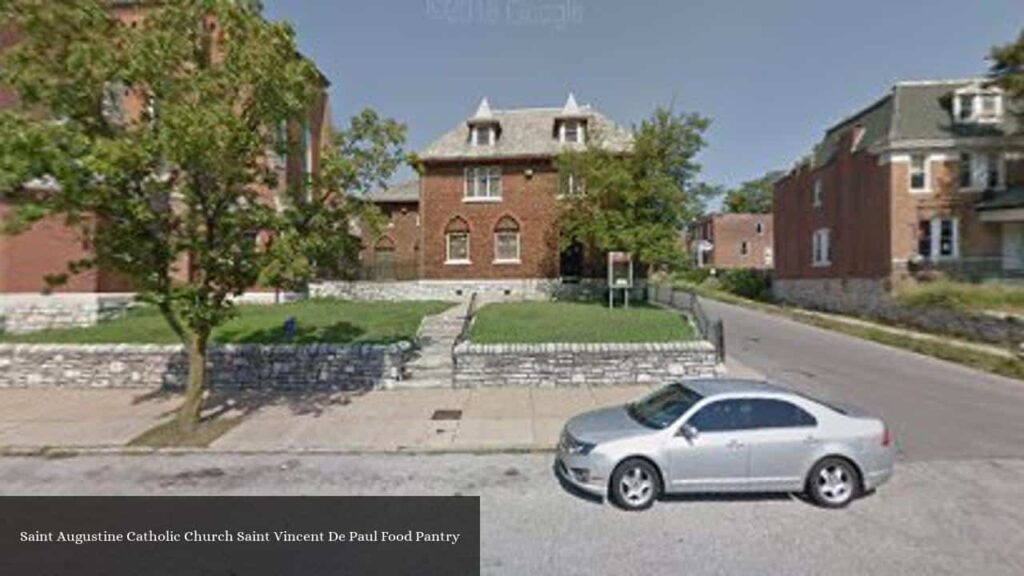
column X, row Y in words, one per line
column 781, row 445
column 716, row 457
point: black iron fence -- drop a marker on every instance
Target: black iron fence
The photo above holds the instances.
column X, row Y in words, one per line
column 388, row 272
column 712, row 330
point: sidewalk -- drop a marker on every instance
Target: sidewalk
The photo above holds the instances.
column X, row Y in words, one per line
column 478, row 420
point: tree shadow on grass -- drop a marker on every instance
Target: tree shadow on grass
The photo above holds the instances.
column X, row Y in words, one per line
column 337, row 333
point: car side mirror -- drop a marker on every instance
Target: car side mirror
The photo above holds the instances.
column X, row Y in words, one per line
column 689, row 432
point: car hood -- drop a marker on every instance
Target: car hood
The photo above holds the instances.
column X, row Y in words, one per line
column 604, row 425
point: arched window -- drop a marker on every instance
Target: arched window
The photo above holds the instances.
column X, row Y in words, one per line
column 507, row 240
column 456, row 241
column 385, row 244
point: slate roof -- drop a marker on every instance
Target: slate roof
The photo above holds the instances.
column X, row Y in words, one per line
column 526, row 132
column 916, row 111
column 408, row 191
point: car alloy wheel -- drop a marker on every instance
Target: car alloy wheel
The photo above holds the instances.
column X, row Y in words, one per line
column 635, row 485
column 834, row 483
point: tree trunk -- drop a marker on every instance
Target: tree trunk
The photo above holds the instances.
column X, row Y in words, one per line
column 188, row 414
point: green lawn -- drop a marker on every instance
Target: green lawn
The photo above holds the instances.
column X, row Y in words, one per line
column 530, row 322
column 965, row 296
column 335, row 321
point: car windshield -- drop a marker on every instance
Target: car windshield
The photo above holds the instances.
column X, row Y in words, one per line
column 664, row 406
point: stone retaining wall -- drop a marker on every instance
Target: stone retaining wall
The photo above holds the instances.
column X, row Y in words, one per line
column 240, row 366
column 487, row 290
column 869, row 298
column 21, row 313
column 549, row 365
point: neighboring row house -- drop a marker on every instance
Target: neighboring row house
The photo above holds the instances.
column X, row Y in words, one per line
column 488, row 200
column 733, row 241
column 49, row 246
column 929, row 177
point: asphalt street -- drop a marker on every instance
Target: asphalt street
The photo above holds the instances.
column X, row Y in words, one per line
column 948, row 517
column 937, row 409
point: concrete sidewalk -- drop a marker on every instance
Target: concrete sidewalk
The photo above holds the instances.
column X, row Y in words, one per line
column 478, row 420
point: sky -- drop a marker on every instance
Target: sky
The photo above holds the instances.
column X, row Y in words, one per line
column 772, row 75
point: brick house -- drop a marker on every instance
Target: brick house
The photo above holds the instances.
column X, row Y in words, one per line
column 734, row 241
column 489, row 193
column 928, row 177
column 394, row 253
column 49, row 246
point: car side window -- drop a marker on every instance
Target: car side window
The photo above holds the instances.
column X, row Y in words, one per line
column 723, row 416
column 780, row 414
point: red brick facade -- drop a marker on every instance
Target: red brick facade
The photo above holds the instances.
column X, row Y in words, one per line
column 528, row 198
column 48, row 247
column 735, row 241
column 394, row 254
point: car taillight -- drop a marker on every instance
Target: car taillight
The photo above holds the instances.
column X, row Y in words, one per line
column 886, row 436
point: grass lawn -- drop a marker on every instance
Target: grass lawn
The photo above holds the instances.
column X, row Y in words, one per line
column 965, row 296
column 335, row 321
column 532, row 322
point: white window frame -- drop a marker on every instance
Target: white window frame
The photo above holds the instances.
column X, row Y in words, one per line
column 977, row 95
column 476, row 131
column 581, row 131
column 821, row 248
column 935, row 232
column 979, row 162
column 927, row 167
column 491, row 175
column 519, row 247
column 818, row 194
column 448, row 260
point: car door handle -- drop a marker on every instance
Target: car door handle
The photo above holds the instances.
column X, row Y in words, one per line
column 811, row 440
column 734, row 444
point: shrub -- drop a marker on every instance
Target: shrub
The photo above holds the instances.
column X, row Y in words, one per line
column 693, row 275
column 747, row 283
column 963, row 296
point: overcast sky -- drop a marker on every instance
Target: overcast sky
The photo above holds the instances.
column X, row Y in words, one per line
column 772, row 75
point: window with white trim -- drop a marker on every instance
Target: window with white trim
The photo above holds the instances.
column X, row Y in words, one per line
column 939, row 238
column 456, row 237
column 978, row 171
column 918, row 173
column 481, row 135
column 507, row 241
column 572, row 131
column 981, row 105
column 821, row 247
column 483, row 182
column 816, row 199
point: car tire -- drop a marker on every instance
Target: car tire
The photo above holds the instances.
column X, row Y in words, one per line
column 635, row 485
column 833, row 483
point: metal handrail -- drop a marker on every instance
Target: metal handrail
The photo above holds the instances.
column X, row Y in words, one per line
column 467, row 320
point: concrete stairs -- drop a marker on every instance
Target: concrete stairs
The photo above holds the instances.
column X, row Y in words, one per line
column 431, row 365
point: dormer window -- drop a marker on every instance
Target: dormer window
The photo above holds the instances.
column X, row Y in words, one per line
column 572, row 132
column 482, row 135
column 975, row 104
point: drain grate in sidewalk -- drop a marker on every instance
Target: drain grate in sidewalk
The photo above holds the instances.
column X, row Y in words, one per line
column 447, row 415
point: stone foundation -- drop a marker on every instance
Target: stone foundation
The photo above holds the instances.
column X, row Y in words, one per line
column 241, row 366
column 870, row 298
column 23, row 313
column 549, row 365
column 486, row 290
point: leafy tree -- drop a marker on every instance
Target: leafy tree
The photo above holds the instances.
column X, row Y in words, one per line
column 636, row 201
column 1008, row 67
column 753, row 196
column 178, row 197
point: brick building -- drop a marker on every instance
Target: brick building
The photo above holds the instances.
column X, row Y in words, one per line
column 49, row 246
column 931, row 176
column 489, row 193
column 394, row 253
column 734, row 241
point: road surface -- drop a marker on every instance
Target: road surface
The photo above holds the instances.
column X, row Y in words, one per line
column 952, row 517
column 937, row 409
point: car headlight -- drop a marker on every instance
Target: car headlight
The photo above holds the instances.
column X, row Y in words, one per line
column 573, row 446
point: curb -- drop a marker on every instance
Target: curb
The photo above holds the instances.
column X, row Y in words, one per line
column 58, row 452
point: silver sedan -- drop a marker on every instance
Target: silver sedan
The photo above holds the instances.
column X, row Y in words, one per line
column 725, row 436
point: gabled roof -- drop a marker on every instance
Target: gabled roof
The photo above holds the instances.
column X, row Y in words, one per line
column 527, row 132
column 916, row 111
column 408, row 191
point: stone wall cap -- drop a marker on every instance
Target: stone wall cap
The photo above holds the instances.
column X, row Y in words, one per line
column 584, row 347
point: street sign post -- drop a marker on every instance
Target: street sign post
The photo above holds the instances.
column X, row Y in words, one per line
column 620, row 276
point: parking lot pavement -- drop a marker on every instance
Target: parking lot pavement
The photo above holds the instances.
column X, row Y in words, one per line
column 78, row 418
column 939, row 517
column 406, row 420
